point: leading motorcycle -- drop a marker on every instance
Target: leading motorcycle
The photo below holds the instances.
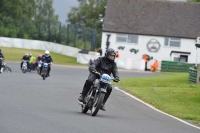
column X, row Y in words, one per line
column 94, row 98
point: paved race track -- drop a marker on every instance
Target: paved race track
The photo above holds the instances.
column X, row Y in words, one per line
column 29, row 104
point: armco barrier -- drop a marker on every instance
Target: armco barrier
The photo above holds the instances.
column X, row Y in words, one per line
column 171, row 66
column 39, row 45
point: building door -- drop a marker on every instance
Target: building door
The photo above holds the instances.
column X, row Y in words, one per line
column 183, row 58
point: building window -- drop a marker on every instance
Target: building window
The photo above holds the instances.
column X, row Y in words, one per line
column 127, row 38
column 172, row 42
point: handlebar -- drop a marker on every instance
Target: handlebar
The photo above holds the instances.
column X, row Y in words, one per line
column 97, row 73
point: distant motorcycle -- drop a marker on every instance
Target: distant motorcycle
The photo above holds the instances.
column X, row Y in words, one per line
column 45, row 70
column 5, row 68
column 96, row 94
column 25, row 66
column 38, row 67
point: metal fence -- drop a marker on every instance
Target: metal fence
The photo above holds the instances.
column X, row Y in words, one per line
column 71, row 35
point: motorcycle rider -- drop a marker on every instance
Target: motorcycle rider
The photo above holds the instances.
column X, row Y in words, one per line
column 1, row 58
column 38, row 59
column 103, row 65
column 27, row 58
column 32, row 61
column 46, row 58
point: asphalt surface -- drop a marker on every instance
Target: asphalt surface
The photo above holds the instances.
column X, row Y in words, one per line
column 29, row 104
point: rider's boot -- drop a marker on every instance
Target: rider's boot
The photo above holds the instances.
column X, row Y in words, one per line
column 85, row 90
column 81, row 98
column 103, row 104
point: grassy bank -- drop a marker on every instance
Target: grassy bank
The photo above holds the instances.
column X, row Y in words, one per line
column 171, row 93
column 15, row 54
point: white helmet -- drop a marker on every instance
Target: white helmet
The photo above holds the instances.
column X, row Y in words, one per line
column 47, row 53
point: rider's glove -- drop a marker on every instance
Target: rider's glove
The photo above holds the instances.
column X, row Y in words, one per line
column 116, row 79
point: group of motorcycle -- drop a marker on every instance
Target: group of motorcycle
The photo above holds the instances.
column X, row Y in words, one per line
column 25, row 68
column 94, row 98
column 31, row 67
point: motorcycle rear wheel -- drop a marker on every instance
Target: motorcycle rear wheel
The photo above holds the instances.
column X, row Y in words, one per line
column 85, row 107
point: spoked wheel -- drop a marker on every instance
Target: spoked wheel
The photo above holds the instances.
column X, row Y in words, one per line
column 38, row 70
column 85, row 107
column 44, row 73
column 7, row 69
column 23, row 69
column 97, row 104
column 29, row 69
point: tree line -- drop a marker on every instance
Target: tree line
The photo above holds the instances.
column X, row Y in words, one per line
column 23, row 18
column 36, row 19
column 89, row 13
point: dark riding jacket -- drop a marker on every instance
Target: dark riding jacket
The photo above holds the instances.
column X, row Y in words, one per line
column 104, row 66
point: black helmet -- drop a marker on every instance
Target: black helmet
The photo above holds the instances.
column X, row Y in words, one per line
column 109, row 52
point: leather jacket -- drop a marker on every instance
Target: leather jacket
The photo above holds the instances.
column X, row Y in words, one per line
column 104, row 66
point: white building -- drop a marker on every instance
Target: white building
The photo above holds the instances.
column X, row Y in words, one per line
column 162, row 29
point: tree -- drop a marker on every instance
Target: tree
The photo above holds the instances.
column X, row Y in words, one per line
column 194, row 0
column 87, row 15
column 12, row 14
column 45, row 19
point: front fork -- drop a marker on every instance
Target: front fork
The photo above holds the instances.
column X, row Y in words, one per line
column 100, row 90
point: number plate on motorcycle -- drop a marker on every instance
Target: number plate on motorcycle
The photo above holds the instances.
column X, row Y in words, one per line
column 105, row 78
column 45, row 64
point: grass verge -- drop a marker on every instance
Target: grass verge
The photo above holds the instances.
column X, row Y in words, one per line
column 171, row 93
column 15, row 54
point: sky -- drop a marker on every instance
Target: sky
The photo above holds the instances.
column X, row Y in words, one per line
column 62, row 7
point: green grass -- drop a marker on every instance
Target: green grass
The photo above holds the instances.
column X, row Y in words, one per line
column 171, row 93
column 15, row 54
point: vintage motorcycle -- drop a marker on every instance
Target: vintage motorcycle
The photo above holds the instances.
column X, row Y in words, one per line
column 94, row 98
column 5, row 68
column 25, row 67
column 38, row 67
column 44, row 70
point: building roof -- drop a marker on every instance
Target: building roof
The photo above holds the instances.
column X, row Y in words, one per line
column 157, row 18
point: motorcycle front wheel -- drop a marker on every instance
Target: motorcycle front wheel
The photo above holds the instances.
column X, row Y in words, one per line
column 7, row 69
column 97, row 104
column 23, row 69
column 44, row 73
